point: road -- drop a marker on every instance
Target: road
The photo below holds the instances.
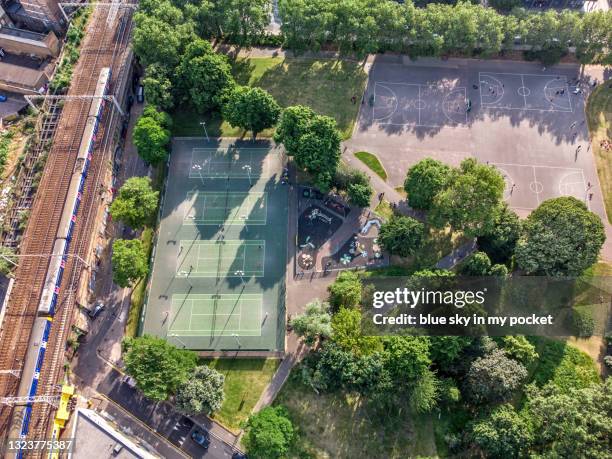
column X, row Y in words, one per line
column 96, row 366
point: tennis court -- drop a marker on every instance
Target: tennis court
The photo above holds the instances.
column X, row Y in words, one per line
column 221, row 258
column 246, row 163
column 226, row 208
column 220, row 315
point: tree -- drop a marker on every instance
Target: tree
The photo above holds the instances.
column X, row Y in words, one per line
column 560, row 238
column 500, row 242
column 478, row 264
column 407, row 357
column 269, row 433
column 205, row 77
column 359, row 194
column 583, row 323
column 424, row 181
column 519, row 348
column 346, row 333
column 313, row 140
column 401, row 235
column 315, row 323
column 505, row 5
column 244, row 21
column 494, row 378
column 129, row 261
column 136, row 202
column 155, row 41
column 569, row 423
column 158, row 88
column 202, row 392
column 503, row 434
column 425, row 393
column 158, row 367
column 251, row 109
column 472, row 200
column 444, row 350
column 345, row 290
column 151, row 139
column 8, row 260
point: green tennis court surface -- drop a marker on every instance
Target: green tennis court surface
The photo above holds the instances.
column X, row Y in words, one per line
column 223, row 258
column 216, row 315
column 232, row 163
column 226, row 208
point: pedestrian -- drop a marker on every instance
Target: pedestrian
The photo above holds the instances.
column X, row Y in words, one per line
column 590, row 196
column 354, row 99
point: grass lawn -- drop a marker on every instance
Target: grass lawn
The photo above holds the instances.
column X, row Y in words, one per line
column 384, row 209
column 138, row 294
column 324, row 85
column 341, row 426
column 245, row 380
column 599, row 117
column 371, row 160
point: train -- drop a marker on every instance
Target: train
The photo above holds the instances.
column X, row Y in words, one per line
column 39, row 337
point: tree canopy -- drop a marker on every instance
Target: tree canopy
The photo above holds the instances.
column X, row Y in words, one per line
column 252, row 109
column 424, row 181
column 157, row 367
column 560, row 238
column 158, row 89
column 151, row 136
column 136, row 202
column 345, row 290
column 360, row 194
column 314, row 323
column 202, row 392
column 269, row 433
column 472, row 199
column 500, row 241
column 504, row 433
column 129, row 261
column 494, row 377
column 313, row 140
column 402, row 235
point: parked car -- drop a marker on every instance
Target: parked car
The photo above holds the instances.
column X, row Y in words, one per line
column 140, row 94
column 97, row 309
column 127, row 379
column 201, row 437
column 239, row 455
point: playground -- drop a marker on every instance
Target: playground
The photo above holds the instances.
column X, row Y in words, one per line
column 217, row 283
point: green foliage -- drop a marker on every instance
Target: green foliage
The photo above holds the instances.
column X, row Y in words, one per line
column 315, row 323
column 202, row 393
column 345, row 290
column 129, row 261
column 158, row 87
column 583, row 323
column 560, row 238
column 205, row 77
column 8, row 260
column 578, row 422
column 269, row 433
column 472, row 199
column 407, row 357
column 158, row 367
column 346, row 176
column 519, row 348
column 312, row 140
column 151, row 136
column 244, row 21
column 251, row 109
column 156, row 41
column 449, row 393
column 346, row 333
column 444, row 350
column 424, row 181
column 136, row 202
column 6, row 138
column 562, row 365
column 494, row 378
column 503, row 434
column 499, row 270
column 505, row 5
column 478, row 264
column 359, row 194
column 402, row 235
column 500, row 242
column 425, row 393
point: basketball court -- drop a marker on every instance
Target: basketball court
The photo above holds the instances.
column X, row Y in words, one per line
column 219, row 263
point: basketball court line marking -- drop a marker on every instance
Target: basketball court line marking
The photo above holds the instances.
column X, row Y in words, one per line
column 420, row 104
column 226, row 162
column 554, row 107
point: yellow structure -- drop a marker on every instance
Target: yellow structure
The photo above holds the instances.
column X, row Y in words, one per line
column 62, row 415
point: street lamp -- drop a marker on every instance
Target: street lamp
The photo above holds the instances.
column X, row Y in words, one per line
column 237, row 340
column 247, row 168
column 174, row 335
column 240, row 273
column 203, row 124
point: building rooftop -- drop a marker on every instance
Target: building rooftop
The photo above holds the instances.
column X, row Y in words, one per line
column 96, row 437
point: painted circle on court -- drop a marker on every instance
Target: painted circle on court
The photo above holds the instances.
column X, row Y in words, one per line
column 536, row 187
column 420, row 104
column 523, row 91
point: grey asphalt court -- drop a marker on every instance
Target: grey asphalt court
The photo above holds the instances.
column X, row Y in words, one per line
column 524, row 119
column 219, row 262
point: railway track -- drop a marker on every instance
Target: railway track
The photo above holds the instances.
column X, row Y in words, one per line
column 105, row 45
